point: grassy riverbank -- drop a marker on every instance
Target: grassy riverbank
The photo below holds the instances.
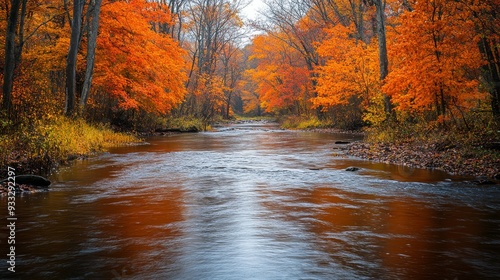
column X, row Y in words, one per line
column 36, row 147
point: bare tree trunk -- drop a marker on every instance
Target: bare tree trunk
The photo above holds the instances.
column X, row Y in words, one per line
column 74, row 44
column 492, row 74
column 93, row 22
column 382, row 49
column 10, row 56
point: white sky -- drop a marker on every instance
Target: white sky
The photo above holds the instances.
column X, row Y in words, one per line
column 251, row 11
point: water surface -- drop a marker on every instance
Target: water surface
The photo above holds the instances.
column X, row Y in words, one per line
column 250, row 201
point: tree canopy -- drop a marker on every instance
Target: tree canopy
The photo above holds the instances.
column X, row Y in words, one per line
column 113, row 60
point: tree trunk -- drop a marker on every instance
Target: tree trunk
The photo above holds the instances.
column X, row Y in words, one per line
column 228, row 104
column 10, row 56
column 492, row 74
column 93, row 22
column 74, row 44
column 382, row 50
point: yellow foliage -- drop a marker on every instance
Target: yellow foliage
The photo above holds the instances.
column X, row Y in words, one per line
column 44, row 143
column 375, row 112
column 62, row 137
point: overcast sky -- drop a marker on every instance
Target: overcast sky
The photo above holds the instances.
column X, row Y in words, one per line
column 251, row 11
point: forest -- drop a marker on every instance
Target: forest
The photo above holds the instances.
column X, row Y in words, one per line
column 403, row 70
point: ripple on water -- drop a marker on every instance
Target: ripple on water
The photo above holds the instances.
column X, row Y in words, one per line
column 256, row 203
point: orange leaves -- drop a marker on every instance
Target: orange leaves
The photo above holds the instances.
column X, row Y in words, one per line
column 434, row 63
column 351, row 69
column 211, row 88
column 435, row 59
column 281, row 77
column 141, row 68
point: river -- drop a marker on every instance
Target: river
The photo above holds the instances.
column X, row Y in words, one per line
column 250, row 201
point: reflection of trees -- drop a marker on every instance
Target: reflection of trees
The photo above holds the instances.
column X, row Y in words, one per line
column 385, row 237
column 141, row 221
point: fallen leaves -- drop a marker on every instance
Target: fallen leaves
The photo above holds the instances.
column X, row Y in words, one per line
column 453, row 159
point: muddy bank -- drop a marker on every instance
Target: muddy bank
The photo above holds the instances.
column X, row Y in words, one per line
column 449, row 158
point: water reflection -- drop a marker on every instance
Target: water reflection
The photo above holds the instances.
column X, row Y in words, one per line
column 250, row 202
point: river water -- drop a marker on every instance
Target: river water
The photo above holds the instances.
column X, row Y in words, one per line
column 249, row 201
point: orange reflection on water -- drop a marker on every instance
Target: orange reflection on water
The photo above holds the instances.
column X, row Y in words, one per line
column 149, row 220
column 403, row 235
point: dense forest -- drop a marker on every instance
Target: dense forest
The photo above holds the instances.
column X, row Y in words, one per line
column 136, row 65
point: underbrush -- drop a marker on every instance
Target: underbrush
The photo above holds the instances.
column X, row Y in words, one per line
column 477, row 129
column 303, row 122
column 255, row 118
column 39, row 146
column 478, row 137
column 184, row 124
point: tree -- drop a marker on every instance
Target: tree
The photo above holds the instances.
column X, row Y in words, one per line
column 13, row 50
column 93, row 14
column 214, row 29
column 484, row 14
column 23, row 37
column 137, row 68
column 350, row 71
column 436, row 60
column 382, row 48
column 74, row 44
column 288, row 21
column 281, row 76
column 232, row 69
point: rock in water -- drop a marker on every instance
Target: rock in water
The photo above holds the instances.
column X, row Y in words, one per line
column 33, row 180
column 352, row 168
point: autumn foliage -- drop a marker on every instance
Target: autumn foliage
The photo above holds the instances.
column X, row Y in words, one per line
column 136, row 66
column 281, row 76
column 435, row 59
column 442, row 60
column 320, row 58
column 351, row 69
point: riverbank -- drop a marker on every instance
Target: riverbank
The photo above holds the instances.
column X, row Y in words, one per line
column 479, row 159
column 452, row 158
column 40, row 147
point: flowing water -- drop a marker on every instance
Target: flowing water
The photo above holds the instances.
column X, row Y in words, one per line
column 250, row 201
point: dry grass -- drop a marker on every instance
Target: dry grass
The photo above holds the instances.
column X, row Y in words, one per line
column 38, row 146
